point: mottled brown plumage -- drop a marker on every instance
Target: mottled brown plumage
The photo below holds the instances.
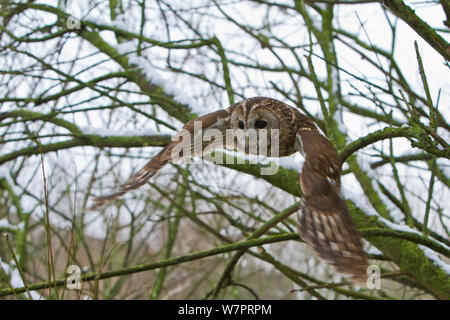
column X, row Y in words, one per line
column 325, row 222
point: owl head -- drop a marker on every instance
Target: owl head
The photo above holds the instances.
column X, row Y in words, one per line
column 254, row 114
column 256, row 124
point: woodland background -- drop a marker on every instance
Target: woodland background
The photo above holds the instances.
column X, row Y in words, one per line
column 90, row 90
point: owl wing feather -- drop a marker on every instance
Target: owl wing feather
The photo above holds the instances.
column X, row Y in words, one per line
column 217, row 120
column 325, row 222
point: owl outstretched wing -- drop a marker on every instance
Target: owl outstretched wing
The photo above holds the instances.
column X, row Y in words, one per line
column 325, row 222
column 192, row 131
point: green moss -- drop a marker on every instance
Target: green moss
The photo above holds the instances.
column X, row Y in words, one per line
column 285, row 179
column 407, row 255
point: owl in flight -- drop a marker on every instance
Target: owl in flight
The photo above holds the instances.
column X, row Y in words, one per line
column 324, row 220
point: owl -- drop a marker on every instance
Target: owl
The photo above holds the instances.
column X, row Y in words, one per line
column 324, row 220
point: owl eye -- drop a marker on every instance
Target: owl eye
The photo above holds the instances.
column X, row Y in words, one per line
column 241, row 125
column 260, row 124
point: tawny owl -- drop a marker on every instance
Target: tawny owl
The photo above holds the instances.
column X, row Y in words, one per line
column 324, row 220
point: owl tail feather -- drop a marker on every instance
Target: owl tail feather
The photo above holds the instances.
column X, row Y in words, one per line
column 135, row 181
column 334, row 237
